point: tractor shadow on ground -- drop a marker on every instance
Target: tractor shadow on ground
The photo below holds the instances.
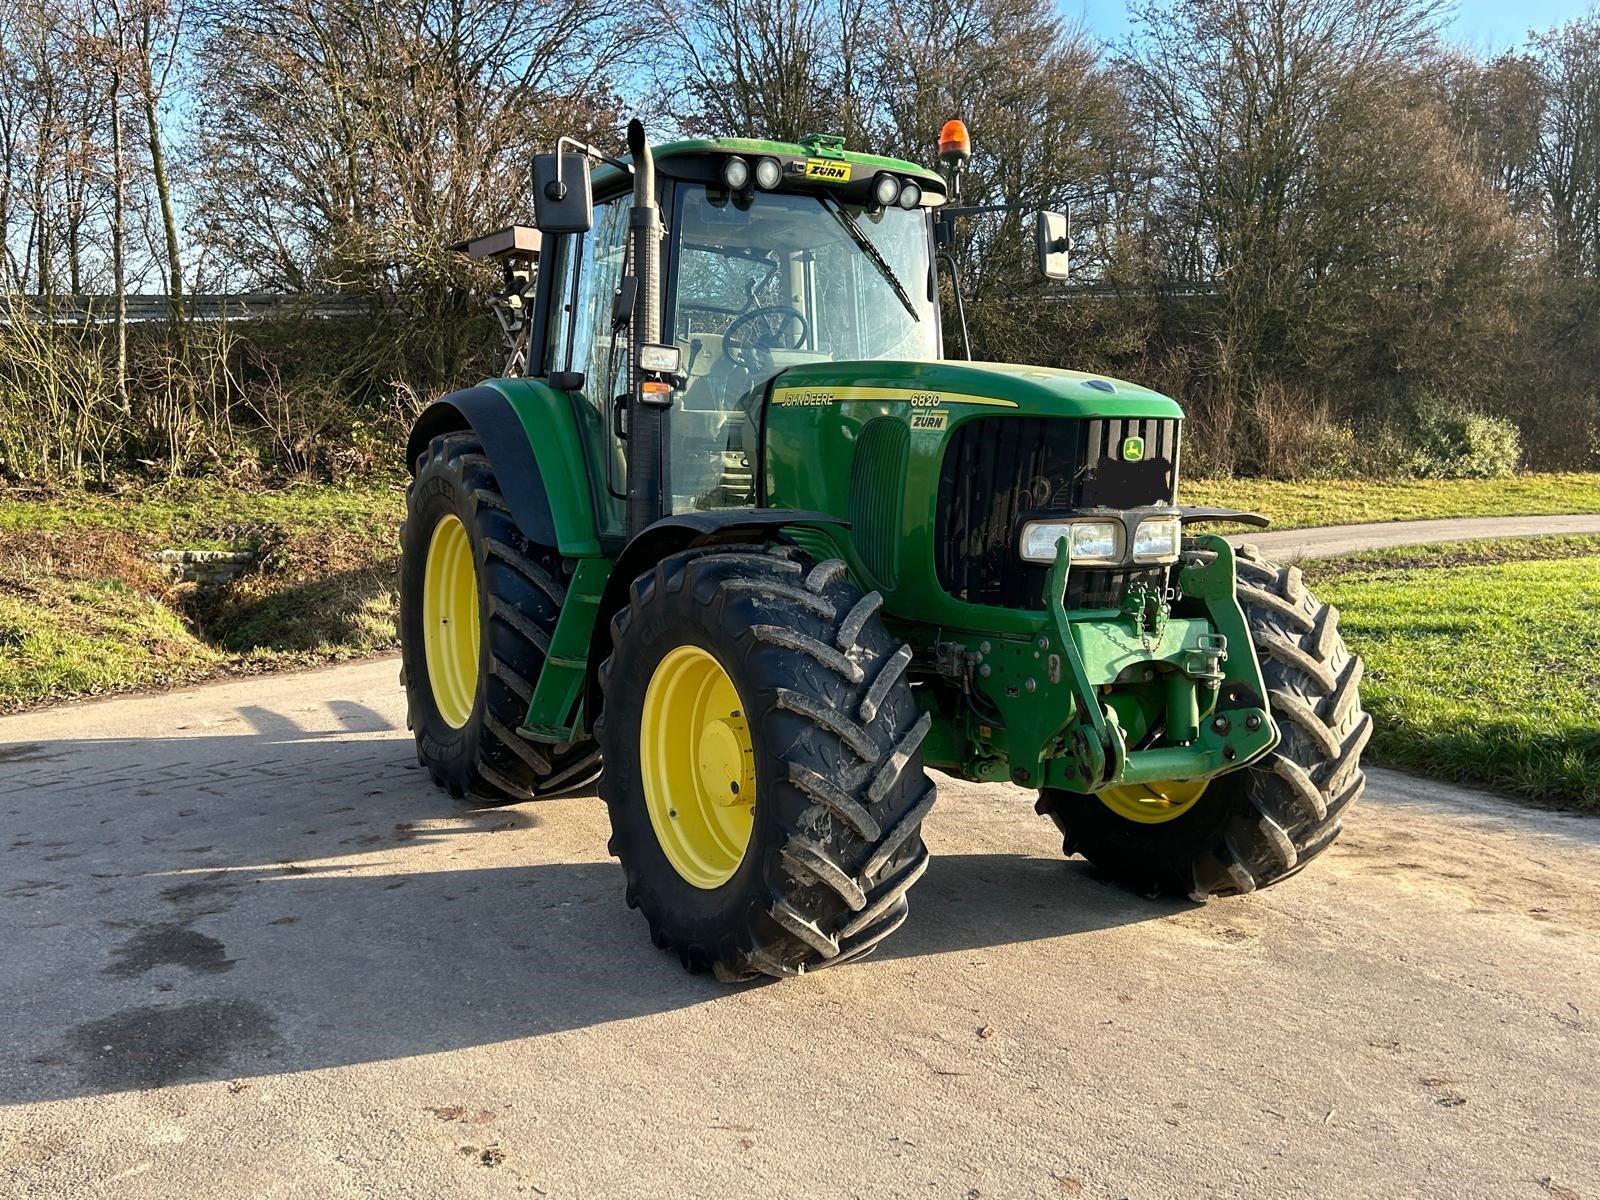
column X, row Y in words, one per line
column 277, row 900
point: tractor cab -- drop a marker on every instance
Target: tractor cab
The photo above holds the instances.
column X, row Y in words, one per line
column 773, row 255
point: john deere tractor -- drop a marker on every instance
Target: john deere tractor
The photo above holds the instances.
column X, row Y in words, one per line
column 737, row 530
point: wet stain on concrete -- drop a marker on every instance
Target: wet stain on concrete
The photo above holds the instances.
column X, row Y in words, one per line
column 157, row 1044
column 169, row 945
column 26, row 889
column 202, row 895
column 27, row 752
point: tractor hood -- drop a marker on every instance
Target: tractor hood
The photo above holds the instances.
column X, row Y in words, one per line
column 1035, row 391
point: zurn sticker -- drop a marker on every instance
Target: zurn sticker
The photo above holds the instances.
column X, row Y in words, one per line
column 827, row 169
column 933, row 422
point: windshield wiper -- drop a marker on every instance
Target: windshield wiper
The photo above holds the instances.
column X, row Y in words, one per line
column 859, row 236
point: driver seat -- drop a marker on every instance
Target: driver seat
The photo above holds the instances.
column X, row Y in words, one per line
column 715, row 383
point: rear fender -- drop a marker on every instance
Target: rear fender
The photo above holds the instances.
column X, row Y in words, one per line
column 531, row 437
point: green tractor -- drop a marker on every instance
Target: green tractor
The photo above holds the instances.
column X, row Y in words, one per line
column 735, row 526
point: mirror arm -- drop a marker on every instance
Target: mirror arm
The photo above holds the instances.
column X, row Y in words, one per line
column 949, row 261
column 558, row 186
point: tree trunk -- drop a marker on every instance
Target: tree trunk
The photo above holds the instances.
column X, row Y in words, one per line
column 158, row 169
column 119, row 233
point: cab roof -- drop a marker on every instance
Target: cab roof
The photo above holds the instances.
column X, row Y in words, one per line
column 673, row 157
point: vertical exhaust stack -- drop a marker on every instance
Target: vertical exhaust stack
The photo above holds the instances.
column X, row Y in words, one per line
column 648, row 484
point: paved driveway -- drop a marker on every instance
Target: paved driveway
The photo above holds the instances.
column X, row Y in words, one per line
column 248, row 951
column 1330, row 540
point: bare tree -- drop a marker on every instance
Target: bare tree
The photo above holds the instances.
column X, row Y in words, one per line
column 158, row 31
column 348, row 141
column 767, row 68
column 1569, row 151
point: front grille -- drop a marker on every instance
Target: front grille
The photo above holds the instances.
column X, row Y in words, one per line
column 999, row 471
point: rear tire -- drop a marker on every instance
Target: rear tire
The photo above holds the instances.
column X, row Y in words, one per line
column 519, row 596
column 1254, row 827
column 834, row 840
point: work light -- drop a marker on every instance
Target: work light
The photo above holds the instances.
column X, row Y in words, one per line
column 1087, row 541
column 769, row 172
column 885, row 189
column 910, row 194
column 735, row 173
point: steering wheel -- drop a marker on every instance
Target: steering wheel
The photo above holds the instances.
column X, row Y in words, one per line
column 753, row 334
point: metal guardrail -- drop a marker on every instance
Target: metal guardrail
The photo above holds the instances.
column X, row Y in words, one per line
column 243, row 306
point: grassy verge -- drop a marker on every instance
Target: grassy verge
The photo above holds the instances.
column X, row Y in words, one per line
column 83, row 611
column 1356, row 501
column 1483, row 660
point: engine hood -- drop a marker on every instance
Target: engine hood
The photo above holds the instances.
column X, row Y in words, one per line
column 1036, row 391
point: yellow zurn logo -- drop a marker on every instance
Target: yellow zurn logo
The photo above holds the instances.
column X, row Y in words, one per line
column 1132, row 449
column 827, row 169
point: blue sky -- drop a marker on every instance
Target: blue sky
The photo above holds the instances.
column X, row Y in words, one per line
column 1487, row 26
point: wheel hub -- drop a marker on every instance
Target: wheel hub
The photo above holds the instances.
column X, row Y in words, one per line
column 1153, row 803
column 450, row 636
column 697, row 765
column 727, row 768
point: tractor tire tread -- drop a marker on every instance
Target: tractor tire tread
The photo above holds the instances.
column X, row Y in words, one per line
column 1260, row 824
column 523, row 599
column 846, row 782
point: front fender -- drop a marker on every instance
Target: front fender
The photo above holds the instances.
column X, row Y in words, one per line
column 667, row 537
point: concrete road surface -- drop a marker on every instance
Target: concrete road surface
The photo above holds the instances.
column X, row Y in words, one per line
column 1328, row 541
column 248, row 952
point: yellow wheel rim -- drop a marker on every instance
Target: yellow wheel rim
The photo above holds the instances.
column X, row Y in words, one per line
column 450, row 621
column 1153, row 803
column 698, row 766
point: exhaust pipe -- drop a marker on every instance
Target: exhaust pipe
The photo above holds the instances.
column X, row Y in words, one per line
column 649, row 482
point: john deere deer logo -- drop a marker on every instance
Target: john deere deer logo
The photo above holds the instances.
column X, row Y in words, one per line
column 1132, row 449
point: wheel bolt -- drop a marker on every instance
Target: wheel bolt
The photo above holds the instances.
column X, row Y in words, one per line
column 1252, row 723
column 1222, row 725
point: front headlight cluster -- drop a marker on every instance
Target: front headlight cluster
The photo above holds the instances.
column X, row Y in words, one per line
column 1101, row 543
column 1157, row 540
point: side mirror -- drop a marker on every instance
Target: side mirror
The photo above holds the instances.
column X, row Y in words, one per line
column 1051, row 231
column 563, row 200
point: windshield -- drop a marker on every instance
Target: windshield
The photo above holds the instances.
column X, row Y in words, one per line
column 773, row 280
column 804, row 260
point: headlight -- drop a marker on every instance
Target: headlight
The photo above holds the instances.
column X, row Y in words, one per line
column 769, row 172
column 1090, row 541
column 735, row 173
column 1157, row 540
column 885, row 190
column 911, row 194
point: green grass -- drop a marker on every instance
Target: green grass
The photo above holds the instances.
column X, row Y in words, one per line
column 1356, row 501
column 1483, row 662
column 203, row 513
column 84, row 612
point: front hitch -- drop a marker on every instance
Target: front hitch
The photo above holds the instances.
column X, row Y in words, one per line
column 1216, row 716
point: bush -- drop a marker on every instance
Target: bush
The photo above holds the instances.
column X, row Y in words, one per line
column 1452, row 442
column 246, row 401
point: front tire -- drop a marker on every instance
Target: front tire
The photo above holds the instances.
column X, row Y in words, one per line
column 750, row 673
column 1254, row 827
column 478, row 602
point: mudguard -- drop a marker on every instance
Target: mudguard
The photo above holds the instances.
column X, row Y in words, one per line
column 667, row 537
column 531, row 437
